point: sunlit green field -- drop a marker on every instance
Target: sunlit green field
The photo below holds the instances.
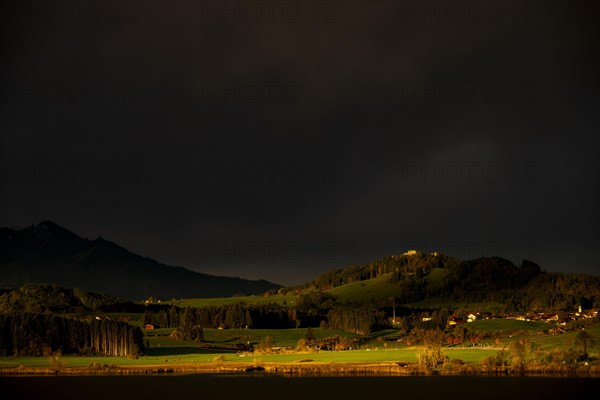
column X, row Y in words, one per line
column 207, row 356
column 279, row 337
column 67, row 361
column 367, row 290
column 565, row 340
column 165, row 351
column 382, row 288
column 222, row 301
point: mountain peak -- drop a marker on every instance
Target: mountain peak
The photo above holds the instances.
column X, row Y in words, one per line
column 49, row 225
column 51, row 229
column 49, row 253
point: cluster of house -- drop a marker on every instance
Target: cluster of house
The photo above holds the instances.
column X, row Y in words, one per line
column 559, row 319
column 556, row 318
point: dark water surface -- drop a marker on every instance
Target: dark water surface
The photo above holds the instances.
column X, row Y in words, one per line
column 187, row 387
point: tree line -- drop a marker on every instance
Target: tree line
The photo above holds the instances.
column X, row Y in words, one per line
column 313, row 309
column 232, row 316
column 32, row 334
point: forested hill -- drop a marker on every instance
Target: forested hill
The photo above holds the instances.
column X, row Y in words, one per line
column 48, row 253
column 414, row 276
column 38, row 298
column 401, row 266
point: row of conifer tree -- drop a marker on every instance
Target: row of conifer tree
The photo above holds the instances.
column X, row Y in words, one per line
column 35, row 334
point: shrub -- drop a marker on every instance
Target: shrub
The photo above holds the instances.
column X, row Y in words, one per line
column 430, row 357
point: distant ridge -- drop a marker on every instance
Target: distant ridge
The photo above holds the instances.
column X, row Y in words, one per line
column 49, row 253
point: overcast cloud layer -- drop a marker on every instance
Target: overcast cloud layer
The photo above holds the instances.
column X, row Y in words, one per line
column 279, row 140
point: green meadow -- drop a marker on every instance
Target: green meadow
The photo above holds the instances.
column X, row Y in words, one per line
column 508, row 325
column 223, row 301
column 565, row 340
column 232, row 337
column 380, row 287
column 219, row 347
column 202, row 356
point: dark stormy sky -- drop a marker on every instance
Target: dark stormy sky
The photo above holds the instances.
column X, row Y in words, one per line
column 280, row 139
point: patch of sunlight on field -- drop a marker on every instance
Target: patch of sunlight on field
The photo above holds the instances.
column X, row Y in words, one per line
column 287, row 337
column 565, row 340
column 203, row 356
column 366, row 290
column 279, row 337
column 373, row 355
column 221, row 301
column 379, row 355
column 474, row 355
column 67, row 361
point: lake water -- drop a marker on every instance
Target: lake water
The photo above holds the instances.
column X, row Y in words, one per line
column 224, row 387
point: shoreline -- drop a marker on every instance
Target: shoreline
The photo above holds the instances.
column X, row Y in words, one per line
column 308, row 369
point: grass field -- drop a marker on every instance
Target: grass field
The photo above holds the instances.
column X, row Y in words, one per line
column 222, row 301
column 230, row 337
column 382, row 288
column 508, row 325
column 363, row 291
column 380, row 346
column 207, row 356
column 359, row 291
column 165, row 351
column 565, row 340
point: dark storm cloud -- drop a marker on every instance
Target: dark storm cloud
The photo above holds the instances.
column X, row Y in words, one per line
column 289, row 138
